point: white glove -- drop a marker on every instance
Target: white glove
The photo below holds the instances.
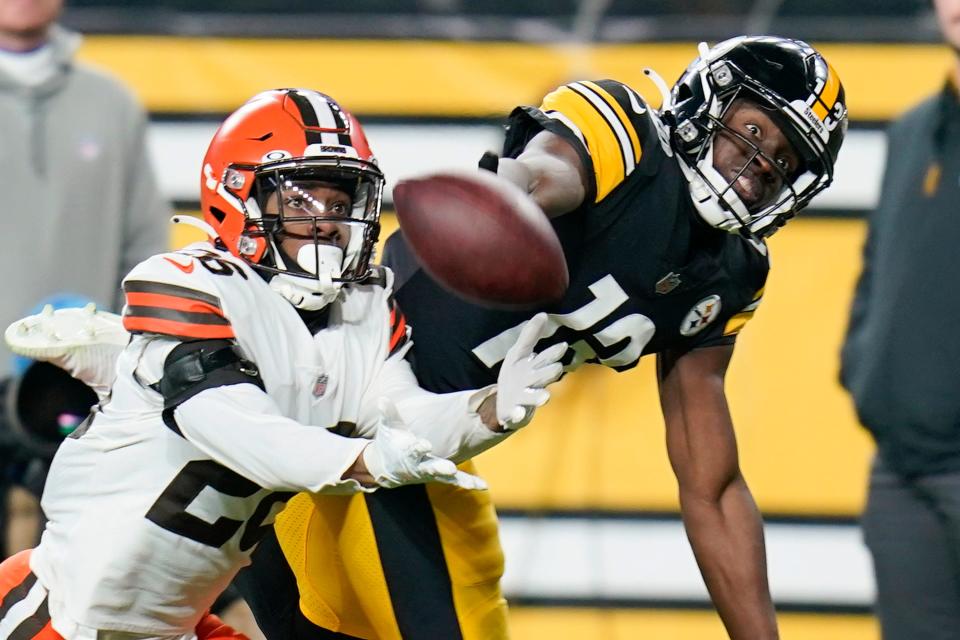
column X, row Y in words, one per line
column 397, row 457
column 83, row 342
column 524, row 374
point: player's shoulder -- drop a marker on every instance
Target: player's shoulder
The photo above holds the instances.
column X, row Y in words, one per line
column 750, row 268
column 370, row 306
column 359, row 299
column 197, row 264
column 615, row 131
column 181, row 293
column 590, row 107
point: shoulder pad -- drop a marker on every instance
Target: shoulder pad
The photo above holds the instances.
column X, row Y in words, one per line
column 379, row 276
column 173, row 294
column 739, row 319
column 195, row 366
column 609, row 120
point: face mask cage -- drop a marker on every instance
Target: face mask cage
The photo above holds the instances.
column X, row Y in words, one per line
column 724, row 84
column 319, row 203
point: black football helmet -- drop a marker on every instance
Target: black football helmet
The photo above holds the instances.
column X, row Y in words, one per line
column 789, row 80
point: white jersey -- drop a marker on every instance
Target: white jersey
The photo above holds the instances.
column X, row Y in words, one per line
column 149, row 521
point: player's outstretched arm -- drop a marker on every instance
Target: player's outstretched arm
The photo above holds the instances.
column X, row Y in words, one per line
column 461, row 424
column 524, row 376
column 550, row 170
column 721, row 518
column 397, row 457
column 241, row 427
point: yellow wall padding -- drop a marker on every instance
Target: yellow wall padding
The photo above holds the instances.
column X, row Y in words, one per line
column 459, row 79
column 575, row 624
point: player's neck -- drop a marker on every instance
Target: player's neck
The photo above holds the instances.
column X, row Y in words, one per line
column 317, row 320
column 23, row 42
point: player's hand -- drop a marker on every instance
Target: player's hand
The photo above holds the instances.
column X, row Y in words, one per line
column 525, row 374
column 83, row 342
column 397, row 457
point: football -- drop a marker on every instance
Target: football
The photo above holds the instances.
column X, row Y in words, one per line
column 482, row 237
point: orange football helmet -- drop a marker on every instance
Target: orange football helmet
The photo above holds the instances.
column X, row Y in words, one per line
column 261, row 159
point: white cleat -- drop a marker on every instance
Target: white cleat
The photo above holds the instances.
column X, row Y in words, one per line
column 51, row 333
column 84, row 342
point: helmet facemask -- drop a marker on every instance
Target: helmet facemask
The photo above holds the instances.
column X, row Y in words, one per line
column 713, row 86
column 714, row 194
column 319, row 221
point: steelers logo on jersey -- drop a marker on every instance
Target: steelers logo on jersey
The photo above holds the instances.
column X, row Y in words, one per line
column 702, row 314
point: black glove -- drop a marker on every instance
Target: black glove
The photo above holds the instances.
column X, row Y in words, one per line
column 489, row 161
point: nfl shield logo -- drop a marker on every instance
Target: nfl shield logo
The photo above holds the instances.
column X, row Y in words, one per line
column 320, row 386
column 667, row 283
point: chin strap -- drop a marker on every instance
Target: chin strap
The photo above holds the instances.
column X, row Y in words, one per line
column 666, row 100
column 308, row 294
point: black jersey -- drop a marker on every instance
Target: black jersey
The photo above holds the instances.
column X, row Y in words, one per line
column 646, row 273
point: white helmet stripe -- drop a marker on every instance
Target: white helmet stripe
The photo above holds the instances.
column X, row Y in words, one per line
column 327, row 118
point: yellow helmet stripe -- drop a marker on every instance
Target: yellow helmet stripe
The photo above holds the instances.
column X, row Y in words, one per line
column 828, row 95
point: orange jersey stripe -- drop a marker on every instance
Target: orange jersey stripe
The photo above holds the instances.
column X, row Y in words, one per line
column 399, row 333
column 176, row 329
column 47, row 633
column 211, row 627
column 171, row 302
column 13, row 571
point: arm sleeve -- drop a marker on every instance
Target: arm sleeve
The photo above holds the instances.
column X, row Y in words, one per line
column 166, row 295
column 725, row 333
column 449, row 421
column 606, row 121
column 242, row 428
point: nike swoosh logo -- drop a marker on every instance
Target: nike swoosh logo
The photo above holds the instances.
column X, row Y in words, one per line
column 634, row 103
column 186, row 268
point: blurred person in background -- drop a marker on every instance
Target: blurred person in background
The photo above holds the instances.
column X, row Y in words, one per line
column 901, row 364
column 40, row 404
column 662, row 215
column 80, row 199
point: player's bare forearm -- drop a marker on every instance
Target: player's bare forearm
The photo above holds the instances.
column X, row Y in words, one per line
column 550, row 170
column 721, row 518
column 727, row 540
column 488, row 414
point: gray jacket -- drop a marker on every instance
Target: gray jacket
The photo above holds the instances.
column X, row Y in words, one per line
column 901, row 357
column 80, row 203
